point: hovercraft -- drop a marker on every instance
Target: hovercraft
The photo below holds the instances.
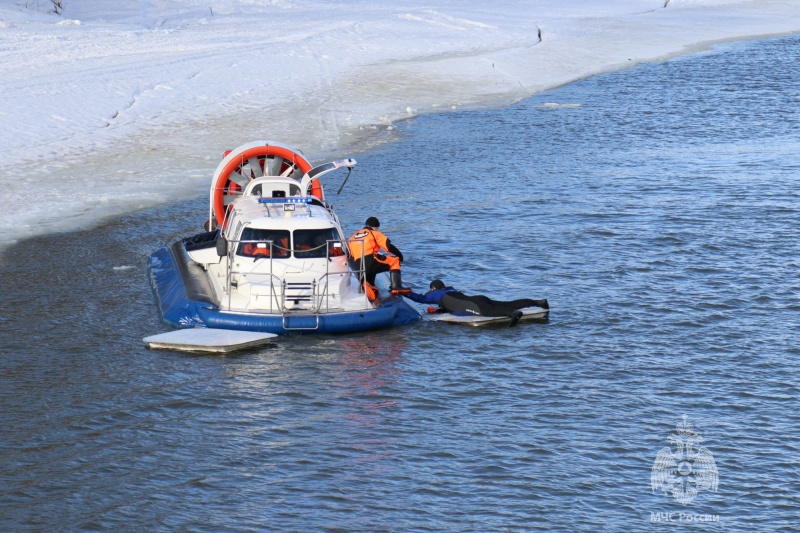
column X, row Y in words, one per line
column 278, row 262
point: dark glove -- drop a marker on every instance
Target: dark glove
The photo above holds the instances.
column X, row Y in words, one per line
column 393, row 250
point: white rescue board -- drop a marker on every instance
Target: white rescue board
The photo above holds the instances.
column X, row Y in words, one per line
column 207, row 340
column 528, row 314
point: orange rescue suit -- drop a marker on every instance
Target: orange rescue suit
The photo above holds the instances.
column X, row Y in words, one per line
column 370, row 242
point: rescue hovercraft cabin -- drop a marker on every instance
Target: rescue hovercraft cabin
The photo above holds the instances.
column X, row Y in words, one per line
column 278, row 262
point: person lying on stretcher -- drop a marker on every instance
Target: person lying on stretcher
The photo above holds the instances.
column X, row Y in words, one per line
column 451, row 300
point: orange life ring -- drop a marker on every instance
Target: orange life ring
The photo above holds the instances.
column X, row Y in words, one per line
column 224, row 184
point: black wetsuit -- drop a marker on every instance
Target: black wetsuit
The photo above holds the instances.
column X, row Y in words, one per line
column 453, row 301
column 458, row 302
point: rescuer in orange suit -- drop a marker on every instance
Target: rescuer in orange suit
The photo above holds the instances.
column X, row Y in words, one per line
column 369, row 243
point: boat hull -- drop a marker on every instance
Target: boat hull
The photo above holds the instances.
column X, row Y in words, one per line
column 180, row 310
column 381, row 317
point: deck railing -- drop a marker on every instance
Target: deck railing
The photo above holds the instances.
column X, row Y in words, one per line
column 316, row 291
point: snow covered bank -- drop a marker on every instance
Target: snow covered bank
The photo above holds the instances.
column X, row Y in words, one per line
column 113, row 106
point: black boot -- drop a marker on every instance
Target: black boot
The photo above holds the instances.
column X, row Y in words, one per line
column 542, row 303
column 515, row 316
column 396, row 283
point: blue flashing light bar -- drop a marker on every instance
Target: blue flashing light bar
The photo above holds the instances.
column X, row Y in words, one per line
column 282, row 200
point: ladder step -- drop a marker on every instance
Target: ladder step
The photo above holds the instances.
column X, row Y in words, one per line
column 299, row 293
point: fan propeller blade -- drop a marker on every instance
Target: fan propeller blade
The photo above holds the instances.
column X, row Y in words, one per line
column 238, row 179
column 255, row 167
column 289, row 170
column 275, row 165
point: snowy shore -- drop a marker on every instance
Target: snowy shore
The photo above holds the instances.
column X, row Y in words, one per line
column 113, row 106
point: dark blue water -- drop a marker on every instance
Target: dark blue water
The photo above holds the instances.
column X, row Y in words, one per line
column 659, row 218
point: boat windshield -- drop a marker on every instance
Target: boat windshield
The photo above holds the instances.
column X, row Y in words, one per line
column 256, row 243
column 317, row 243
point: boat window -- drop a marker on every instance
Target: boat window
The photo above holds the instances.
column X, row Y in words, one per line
column 317, row 243
column 269, row 190
column 256, row 243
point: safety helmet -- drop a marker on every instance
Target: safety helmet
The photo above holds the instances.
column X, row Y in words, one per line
column 373, row 222
column 437, row 284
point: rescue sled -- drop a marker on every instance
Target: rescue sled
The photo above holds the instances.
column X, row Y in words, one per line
column 278, row 262
column 529, row 314
column 207, row 340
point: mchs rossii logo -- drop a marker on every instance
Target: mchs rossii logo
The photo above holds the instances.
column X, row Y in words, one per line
column 685, row 470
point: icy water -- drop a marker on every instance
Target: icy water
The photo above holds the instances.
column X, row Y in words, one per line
column 659, row 218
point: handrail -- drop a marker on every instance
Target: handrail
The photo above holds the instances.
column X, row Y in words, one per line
column 362, row 274
column 287, row 328
column 316, row 298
